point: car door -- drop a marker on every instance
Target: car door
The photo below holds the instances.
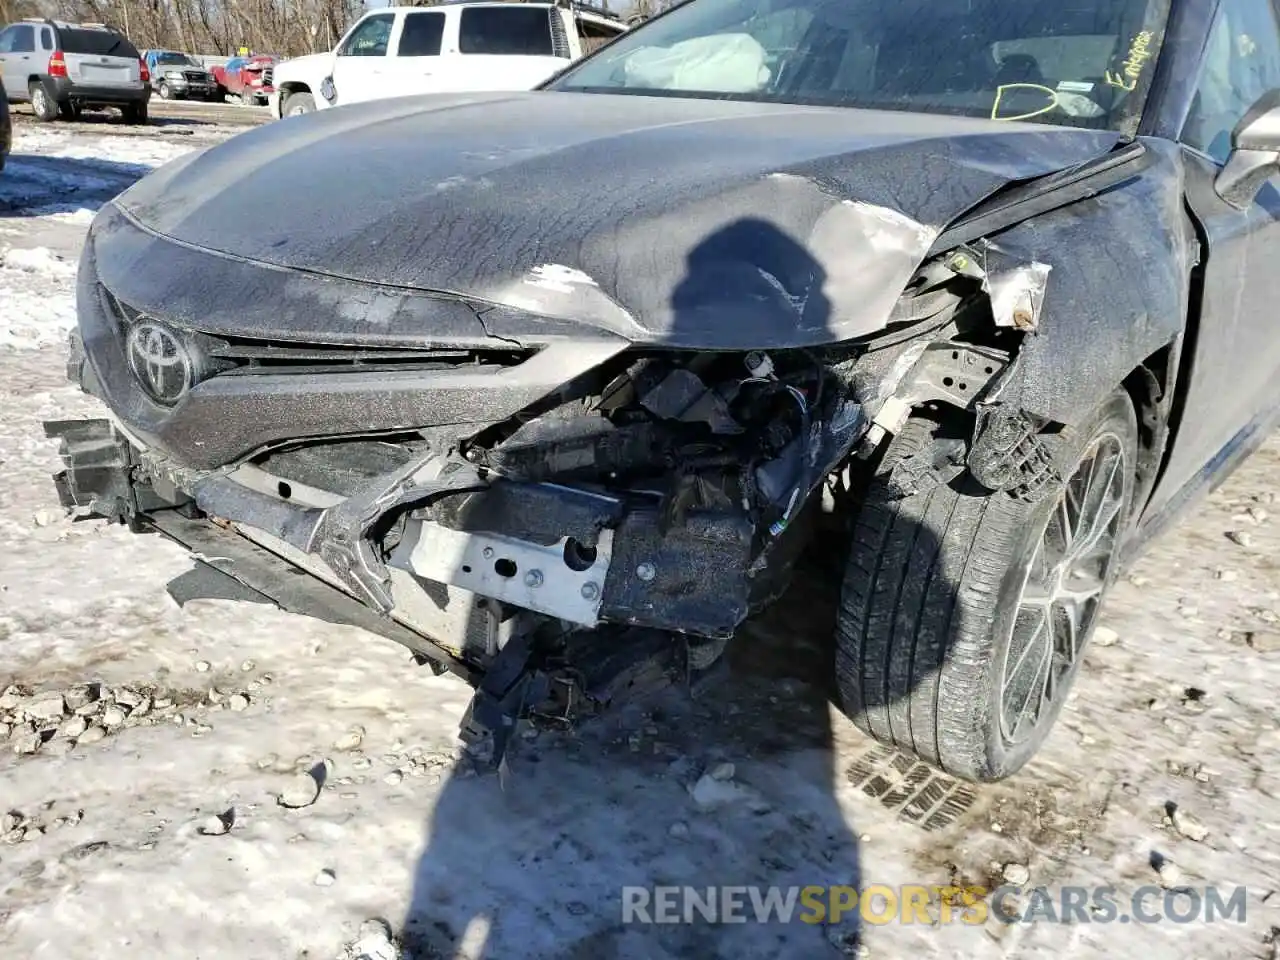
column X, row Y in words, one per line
column 18, row 57
column 1234, row 372
column 360, row 64
column 416, row 66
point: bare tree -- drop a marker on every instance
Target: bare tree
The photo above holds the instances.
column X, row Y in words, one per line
column 644, row 9
column 218, row 27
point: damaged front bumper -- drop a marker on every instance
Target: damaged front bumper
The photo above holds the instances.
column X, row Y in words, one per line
column 540, row 595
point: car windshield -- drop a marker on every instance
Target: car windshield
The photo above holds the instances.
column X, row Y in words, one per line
column 1073, row 62
column 175, row 60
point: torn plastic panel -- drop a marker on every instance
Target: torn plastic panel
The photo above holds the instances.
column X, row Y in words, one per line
column 1006, row 453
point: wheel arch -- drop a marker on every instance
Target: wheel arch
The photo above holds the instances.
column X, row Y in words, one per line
column 288, row 88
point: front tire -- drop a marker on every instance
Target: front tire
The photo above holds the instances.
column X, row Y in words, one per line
column 164, row 91
column 964, row 613
column 298, row 104
column 43, row 105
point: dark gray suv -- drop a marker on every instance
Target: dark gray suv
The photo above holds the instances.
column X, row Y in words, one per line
column 61, row 68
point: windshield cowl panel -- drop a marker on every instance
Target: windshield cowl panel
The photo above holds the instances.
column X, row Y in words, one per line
column 1076, row 63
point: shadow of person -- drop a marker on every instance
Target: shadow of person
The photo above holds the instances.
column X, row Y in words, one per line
column 570, row 855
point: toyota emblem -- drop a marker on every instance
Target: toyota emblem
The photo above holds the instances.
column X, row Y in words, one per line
column 160, row 362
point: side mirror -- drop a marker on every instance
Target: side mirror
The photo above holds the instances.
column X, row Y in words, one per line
column 1255, row 152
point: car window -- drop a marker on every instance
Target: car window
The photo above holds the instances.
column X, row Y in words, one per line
column 593, row 35
column 370, row 38
column 506, row 30
column 1084, row 63
column 232, row 65
column 100, row 43
column 6, row 39
column 1241, row 63
column 421, row 35
column 24, row 40
column 174, row 60
column 46, row 39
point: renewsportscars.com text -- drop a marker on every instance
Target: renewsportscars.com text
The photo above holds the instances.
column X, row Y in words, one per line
column 880, row 904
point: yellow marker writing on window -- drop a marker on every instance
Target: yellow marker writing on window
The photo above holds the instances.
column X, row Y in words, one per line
column 1047, row 91
column 1131, row 69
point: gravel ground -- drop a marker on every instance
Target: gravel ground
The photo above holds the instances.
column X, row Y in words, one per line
column 226, row 780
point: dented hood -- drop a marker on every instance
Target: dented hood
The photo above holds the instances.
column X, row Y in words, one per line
column 696, row 223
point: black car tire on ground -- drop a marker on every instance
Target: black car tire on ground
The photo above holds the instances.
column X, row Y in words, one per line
column 298, row 103
column 936, row 633
column 164, row 91
column 134, row 113
column 44, row 106
column 70, row 111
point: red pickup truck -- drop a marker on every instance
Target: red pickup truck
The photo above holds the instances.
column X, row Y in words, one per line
column 248, row 78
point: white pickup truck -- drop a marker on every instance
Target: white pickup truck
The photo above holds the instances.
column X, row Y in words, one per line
column 452, row 47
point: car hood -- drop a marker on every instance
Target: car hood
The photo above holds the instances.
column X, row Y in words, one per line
column 301, row 66
column 696, row 223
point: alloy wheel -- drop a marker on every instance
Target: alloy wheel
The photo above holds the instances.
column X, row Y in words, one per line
column 1062, row 590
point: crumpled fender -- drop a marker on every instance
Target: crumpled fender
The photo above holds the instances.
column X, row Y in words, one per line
column 1117, row 290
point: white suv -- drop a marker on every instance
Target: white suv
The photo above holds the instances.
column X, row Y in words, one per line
column 448, row 48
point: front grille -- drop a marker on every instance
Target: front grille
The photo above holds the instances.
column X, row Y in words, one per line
column 194, row 76
column 222, row 354
column 268, row 74
column 242, row 355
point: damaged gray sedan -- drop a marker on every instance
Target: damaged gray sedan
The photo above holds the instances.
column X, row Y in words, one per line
column 967, row 300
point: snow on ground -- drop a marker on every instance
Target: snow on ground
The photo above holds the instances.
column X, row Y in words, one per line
column 238, row 782
column 36, row 292
column 53, row 184
column 117, row 146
